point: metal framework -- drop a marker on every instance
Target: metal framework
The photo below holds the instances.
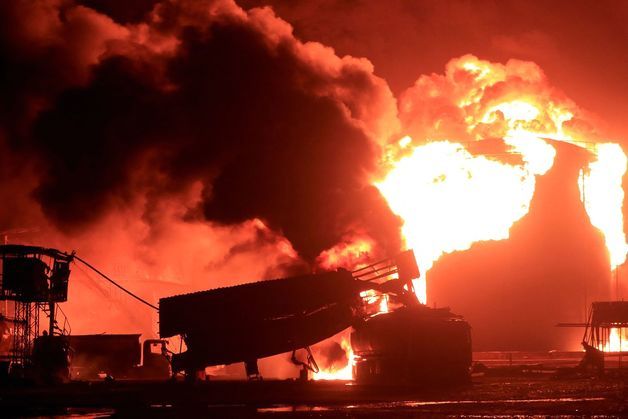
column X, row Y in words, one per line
column 608, row 321
column 26, row 329
column 34, row 279
column 604, row 317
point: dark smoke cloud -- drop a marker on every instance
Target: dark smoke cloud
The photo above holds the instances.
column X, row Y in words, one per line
column 408, row 38
column 199, row 91
column 45, row 47
column 124, row 12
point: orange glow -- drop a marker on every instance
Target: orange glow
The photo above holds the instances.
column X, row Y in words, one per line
column 450, row 198
column 352, row 252
column 617, row 340
column 603, row 196
column 377, row 302
column 345, row 373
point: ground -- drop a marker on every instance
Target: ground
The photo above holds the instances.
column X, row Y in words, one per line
column 498, row 392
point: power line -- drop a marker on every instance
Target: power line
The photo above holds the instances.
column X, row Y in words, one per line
column 138, row 298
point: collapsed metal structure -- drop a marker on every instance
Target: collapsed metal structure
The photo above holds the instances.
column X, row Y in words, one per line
column 246, row 322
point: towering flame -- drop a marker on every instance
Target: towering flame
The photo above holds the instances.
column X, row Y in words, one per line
column 602, row 194
column 450, row 198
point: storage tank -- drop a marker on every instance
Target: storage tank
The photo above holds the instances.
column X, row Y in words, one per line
column 412, row 345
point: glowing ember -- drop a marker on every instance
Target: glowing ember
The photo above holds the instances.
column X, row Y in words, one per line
column 378, row 302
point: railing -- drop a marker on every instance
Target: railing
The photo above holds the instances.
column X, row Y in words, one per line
column 59, row 316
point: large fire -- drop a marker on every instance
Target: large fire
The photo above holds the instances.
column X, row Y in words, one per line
column 450, row 197
column 617, row 340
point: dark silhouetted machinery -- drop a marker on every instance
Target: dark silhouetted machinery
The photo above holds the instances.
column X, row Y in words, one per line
column 118, row 356
column 395, row 338
column 246, row 322
column 34, row 280
column 412, row 344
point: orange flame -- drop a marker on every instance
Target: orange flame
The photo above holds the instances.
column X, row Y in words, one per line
column 617, row 340
column 351, row 253
column 344, row 373
column 450, row 199
column 603, row 196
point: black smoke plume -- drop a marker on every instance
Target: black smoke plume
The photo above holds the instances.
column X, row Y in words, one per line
column 195, row 92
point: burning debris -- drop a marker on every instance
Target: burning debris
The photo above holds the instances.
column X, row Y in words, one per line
column 288, row 314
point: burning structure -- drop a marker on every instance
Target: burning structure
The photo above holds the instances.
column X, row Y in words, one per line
column 146, row 132
column 256, row 320
column 605, row 334
column 186, row 144
column 411, row 343
column 241, row 324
